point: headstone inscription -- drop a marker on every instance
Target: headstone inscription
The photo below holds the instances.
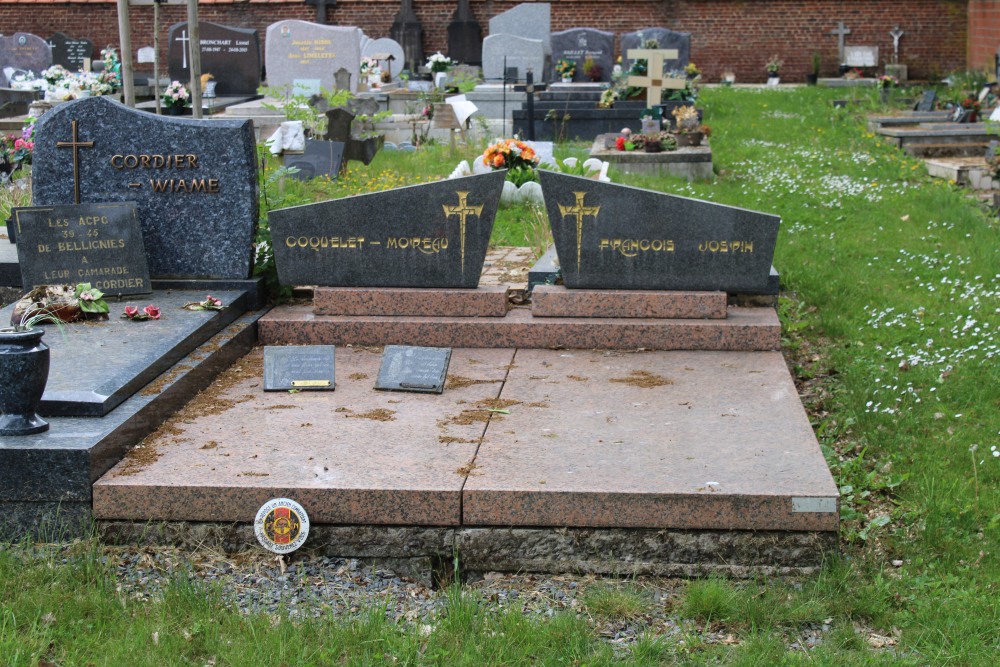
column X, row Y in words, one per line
column 231, row 55
column 100, row 244
column 23, row 51
column 665, row 39
column 520, row 53
column 320, row 158
column 194, row 182
column 305, row 368
column 861, row 56
column 430, row 235
column 70, row 52
column 619, row 237
column 582, row 45
column 528, row 20
column 297, row 51
column 418, row 369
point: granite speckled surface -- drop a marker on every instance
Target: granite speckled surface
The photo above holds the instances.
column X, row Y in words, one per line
column 557, row 301
column 195, row 181
column 484, row 301
column 743, row 329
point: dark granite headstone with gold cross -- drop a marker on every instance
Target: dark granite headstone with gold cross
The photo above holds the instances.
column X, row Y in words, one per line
column 619, row 237
column 431, row 235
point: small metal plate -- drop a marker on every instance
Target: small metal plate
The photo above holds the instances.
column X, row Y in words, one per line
column 302, row 367
column 419, row 369
column 822, row 505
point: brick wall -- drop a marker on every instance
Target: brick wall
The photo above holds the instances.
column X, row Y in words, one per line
column 984, row 33
column 726, row 34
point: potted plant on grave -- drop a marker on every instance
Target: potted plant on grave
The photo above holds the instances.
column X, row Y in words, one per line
column 885, row 84
column 566, row 69
column 16, row 151
column 972, row 105
column 691, row 71
column 773, row 67
column 439, row 64
column 521, row 162
column 592, row 70
column 24, row 372
column 687, row 126
column 813, row 77
column 175, row 97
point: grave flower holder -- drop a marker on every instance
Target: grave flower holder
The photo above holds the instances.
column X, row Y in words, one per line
column 24, row 371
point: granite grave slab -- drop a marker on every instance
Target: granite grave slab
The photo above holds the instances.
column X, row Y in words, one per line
column 666, row 39
column 511, row 51
column 70, row 52
column 194, row 181
column 619, row 237
column 579, row 44
column 431, row 235
column 411, row 368
column 528, row 20
column 231, row 55
column 309, row 53
column 100, row 244
column 23, row 51
column 319, row 158
column 300, row 367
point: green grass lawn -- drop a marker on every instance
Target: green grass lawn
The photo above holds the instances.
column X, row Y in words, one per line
column 890, row 309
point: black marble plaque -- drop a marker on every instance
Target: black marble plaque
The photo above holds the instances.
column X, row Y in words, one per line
column 100, row 244
column 431, row 235
column 23, row 51
column 194, row 181
column 70, row 52
column 231, row 55
column 408, row 368
column 926, row 102
column 579, row 44
column 620, row 237
column 299, row 367
column 320, row 158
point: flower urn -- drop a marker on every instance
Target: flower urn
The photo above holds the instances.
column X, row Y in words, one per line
column 24, row 371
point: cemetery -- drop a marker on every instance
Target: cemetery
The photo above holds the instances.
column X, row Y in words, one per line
column 505, row 337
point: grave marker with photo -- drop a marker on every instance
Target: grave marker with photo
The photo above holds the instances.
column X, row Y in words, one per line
column 231, row 55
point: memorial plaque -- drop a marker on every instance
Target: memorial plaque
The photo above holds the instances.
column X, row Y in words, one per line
column 23, row 51
column 194, row 181
column 100, row 244
column 926, row 102
column 298, row 50
column 231, row 55
column 305, row 368
column 320, row 158
column 70, row 52
column 579, row 44
column 408, row 368
column 620, row 237
column 431, row 235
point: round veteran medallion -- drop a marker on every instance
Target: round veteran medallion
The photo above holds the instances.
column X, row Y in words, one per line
column 281, row 525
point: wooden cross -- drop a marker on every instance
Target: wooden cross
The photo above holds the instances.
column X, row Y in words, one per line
column 76, row 145
column 654, row 82
column 840, row 33
column 579, row 211
column 462, row 210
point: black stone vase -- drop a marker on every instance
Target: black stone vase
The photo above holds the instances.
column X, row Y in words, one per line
column 24, row 370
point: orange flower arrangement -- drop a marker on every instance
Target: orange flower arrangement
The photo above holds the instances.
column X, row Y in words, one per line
column 517, row 157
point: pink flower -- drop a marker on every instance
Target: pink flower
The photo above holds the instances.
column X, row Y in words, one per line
column 212, row 301
column 86, row 296
column 131, row 311
column 152, row 311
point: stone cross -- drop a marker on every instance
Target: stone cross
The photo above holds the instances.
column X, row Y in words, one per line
column 840, row 33
column 896, row 33
column 183, row 39
column 654, row 82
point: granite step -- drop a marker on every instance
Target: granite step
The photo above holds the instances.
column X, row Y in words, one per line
column 744, row 328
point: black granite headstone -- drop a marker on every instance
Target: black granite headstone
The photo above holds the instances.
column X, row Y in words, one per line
column 320, row 158
column 305, row 368
column 579, row 44
column 231, row 55
column 926, row 102
column 100, row 244
column 23, row 51
column 194, row 181
column 665, row 39
column 465, row 36
column 408, row 368
column 431, row 235
column 70, row 52
column 619, row 237
column 406, row 30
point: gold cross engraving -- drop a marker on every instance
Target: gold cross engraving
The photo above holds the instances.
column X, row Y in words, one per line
column 76, row 144
column 462, row 210
column 579, row 211
column 654, row 82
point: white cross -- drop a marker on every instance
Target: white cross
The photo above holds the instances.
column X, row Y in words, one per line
column 840, row 32
column 184, row 48
column 654, row 82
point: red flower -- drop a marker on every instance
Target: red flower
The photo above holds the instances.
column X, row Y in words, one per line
column 152, row 311
column 620, row 143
